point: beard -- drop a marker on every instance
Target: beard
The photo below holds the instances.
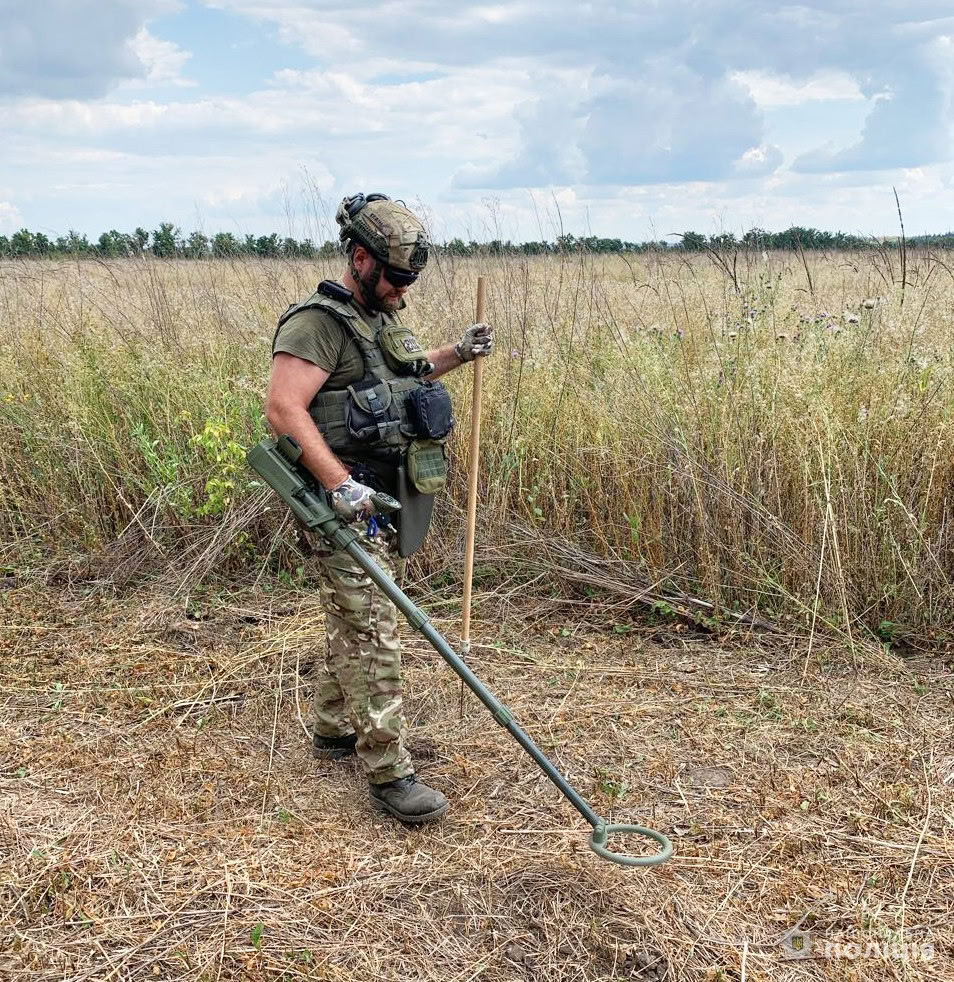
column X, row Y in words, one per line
column 387, row 304
column 371, row 285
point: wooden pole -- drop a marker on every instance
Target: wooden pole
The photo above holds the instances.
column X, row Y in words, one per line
column 472, row 478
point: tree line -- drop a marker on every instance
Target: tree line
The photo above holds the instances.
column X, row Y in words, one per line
column 167, row 241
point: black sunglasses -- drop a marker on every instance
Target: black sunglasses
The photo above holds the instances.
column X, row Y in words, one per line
column 398, row 277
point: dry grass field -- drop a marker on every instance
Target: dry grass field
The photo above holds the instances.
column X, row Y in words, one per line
column 712, row 582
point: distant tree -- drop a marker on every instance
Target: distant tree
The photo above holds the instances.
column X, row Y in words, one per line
column 796, row 237
column 76, row 244
column 693, row 241
column 197, row 246
column 267, row 245
column 166, row 241
column 225, row 245
column 724, row 240
column 757, row 238
column 113, row 243
column 22, row 243
column 140, row 240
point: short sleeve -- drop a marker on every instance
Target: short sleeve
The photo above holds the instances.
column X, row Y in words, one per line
column 314, row 336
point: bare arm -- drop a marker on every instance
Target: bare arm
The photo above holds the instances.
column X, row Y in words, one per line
column 444, row 360
column 291, row 388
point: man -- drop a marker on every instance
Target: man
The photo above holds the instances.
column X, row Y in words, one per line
column 352, row 385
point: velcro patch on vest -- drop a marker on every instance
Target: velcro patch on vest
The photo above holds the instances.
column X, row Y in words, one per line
column 411, row 345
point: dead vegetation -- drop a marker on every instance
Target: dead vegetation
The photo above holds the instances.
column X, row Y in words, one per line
column 712, row 583
column 162, row 816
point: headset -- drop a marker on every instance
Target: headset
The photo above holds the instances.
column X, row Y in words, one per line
column 356, row 202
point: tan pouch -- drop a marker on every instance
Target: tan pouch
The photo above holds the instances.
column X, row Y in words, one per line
column 400, row 348
column 427, row 466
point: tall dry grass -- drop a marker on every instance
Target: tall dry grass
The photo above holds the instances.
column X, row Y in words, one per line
column 770, row 434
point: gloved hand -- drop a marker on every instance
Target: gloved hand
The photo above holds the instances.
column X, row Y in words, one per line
column 477, row 342
column 351, row 500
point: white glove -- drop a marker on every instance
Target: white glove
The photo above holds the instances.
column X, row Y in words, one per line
column 477, row 342
column 351, row 500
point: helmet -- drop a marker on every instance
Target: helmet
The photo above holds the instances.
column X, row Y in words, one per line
column 392, row 234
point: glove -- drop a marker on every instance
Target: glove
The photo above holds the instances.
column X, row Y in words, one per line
column 351, row 500
column 477, row 342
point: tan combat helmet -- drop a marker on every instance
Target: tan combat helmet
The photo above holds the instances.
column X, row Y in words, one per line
column 392, row 233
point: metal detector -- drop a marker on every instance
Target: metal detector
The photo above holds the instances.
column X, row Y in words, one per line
column 277, row 463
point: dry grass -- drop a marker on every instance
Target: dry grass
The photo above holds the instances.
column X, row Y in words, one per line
column 775, row 444
column 672, row 459
column 162, row 816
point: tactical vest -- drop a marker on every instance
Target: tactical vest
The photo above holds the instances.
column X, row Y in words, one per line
column 376, row 406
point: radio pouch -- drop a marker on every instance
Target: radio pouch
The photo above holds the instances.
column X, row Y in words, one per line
column 430, row 411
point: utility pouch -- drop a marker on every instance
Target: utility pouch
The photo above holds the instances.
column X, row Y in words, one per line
column 402, row 351
column 414, row 518
column 430, row 411
column 427, row 466
column 370, row 413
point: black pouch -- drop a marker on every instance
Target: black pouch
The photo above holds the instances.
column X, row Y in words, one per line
column 376, row 474
column 380, row 476
column 430, row 411
column 370, row 413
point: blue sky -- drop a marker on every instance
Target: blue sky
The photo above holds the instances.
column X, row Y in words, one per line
column 514, row 119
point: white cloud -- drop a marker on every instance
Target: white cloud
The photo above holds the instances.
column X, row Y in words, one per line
column 440, row 118
column 770, row 91
column 629, row 112
column 758, row 161
column 162, row 61
column 10, row 219
column 75, row 48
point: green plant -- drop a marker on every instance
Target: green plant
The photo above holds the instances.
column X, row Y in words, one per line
column 56, row 701
column 225, row 458
column 610, row 784
column 663, row 610
column 887, row 631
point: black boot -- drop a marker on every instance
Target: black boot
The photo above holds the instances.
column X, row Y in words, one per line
column 333, row 748
column 409, row 800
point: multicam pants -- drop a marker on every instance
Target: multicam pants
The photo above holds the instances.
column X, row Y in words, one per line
column 358, row 688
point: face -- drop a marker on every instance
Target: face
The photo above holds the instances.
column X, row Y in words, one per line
column 371, row 274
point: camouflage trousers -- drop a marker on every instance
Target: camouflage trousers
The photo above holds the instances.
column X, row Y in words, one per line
column 358, row 686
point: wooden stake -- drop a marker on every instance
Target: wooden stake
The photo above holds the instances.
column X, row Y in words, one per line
column 472, row 478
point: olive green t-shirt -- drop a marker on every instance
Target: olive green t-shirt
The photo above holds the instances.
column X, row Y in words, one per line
column 317, row 336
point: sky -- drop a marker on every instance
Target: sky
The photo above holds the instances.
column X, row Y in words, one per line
column 517, row 120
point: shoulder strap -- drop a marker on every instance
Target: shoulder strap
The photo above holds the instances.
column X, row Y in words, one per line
column 342, row 312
